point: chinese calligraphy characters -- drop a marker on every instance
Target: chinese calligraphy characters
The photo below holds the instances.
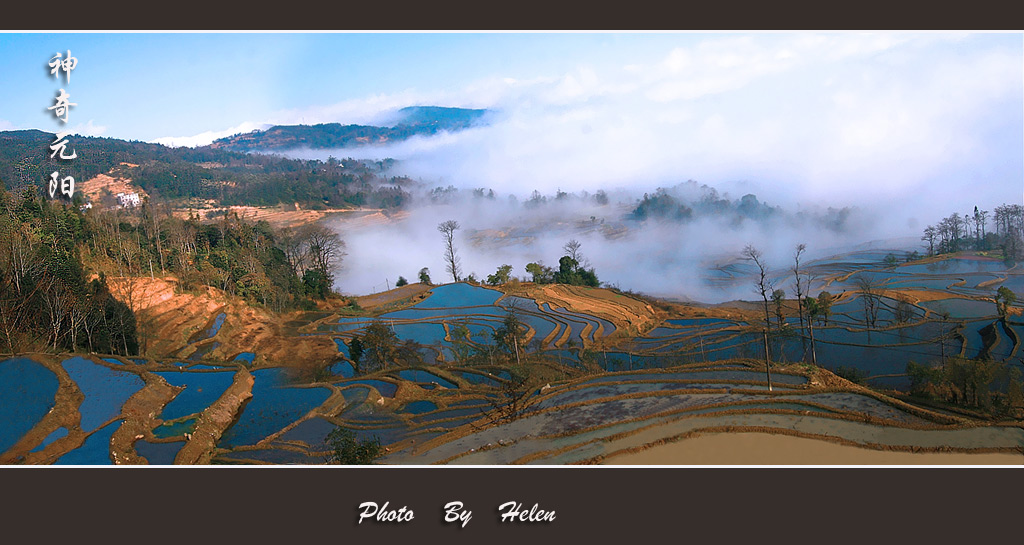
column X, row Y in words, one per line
column 60, row 110
column 62, row 106
column 67, row 185
column 67, row 65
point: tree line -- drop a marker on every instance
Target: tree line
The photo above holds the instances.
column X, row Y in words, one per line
column 228, row 177
column 956, row 233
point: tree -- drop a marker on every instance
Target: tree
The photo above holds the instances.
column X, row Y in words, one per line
column 778, row 298
column 763, row 286
column 825, row 300
column 345, row 449
column 425, row 276
column 355, row 353
column 380, row 342
column 508, row 336
column 570, row 272
column 930, row 234
column 462, row 346
column 447, row 230
column 540, row 273
column 904, row 309
column 799, row 291
column 401, row 282
column 871, row 297
column 509, row 404
column 324, row 248
column 316, row 283
column 502, row 276
column 1004, row 299
column 811, row 304
column 572, row 249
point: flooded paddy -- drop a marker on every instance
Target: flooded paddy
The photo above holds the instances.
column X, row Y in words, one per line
column 201, row 390
column 416, row 375
column 95, row 450
column 27, row 391
column 274, row 405
column 105, row 390
column 54, row 435
column 601, row 392
column 158, row 453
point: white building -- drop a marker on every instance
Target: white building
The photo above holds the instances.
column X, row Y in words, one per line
column 128, row 200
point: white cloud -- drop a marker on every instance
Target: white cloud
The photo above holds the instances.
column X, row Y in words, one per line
column 86, row 129
column 205, row 138
column 835, row 117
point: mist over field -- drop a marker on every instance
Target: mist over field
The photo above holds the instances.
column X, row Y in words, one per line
column 663, row 256
column 898, row 130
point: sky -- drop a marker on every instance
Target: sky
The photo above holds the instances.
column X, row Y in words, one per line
column 844, row 117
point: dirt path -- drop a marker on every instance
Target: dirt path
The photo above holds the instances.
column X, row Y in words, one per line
column 215, row 420
column 769, row 449
column 140, row 414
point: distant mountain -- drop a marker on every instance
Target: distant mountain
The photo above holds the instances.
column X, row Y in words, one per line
column 411, row 121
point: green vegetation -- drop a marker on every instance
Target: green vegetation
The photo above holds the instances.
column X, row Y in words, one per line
column 380, row 347
column 852, row 374
column 228, row 177
column 345, row 449
column 1004, row 299
column 46, row 302
column 969, row 232
column 502, row 276
column 982, row 384
column 355, row 353
column 572, row 269
column 49, row 249
column 661, row 205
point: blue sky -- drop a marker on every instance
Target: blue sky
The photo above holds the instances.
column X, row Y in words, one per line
column 147, row 86
column 848, row 116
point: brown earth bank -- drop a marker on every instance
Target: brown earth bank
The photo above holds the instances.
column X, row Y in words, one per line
column 95, row 188
column 408, row 293
column 769, row 449
column 215, row 420
column 140, row 414
column 168, row 320
column 629, row 314
column 279, row 217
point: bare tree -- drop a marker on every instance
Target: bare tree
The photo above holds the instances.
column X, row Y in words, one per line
column 764, row 286
column 324, row 249
column 572, row 249
column 447, row 230
column 294, row 247
column 799, row 292
column 871, row 297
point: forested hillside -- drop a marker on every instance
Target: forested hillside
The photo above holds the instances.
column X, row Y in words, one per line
column 230, row 178
column 55, row 259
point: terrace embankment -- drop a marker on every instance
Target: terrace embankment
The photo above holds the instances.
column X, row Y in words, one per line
column 215, row 420
column 627, row 313
column 168, row 319
column 140, row 414
column 409, row 293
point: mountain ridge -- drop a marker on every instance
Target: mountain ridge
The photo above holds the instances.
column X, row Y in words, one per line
column 410, row 121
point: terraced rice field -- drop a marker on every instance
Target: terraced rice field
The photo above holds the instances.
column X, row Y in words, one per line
column 608, row 393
